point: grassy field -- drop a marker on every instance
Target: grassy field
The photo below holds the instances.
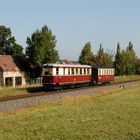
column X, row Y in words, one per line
column 27, row 90
column 126, row 78
column 20, row 90
column 115, row 116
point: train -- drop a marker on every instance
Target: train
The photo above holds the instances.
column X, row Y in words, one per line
column 58, row 76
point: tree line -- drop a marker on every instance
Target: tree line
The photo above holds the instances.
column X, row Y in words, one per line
column 41, row 48
column 124, row 61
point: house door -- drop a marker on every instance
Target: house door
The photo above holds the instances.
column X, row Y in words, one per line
column 9, row 81
column 18, row 81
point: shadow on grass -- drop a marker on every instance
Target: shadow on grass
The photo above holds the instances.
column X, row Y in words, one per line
column 34, row 89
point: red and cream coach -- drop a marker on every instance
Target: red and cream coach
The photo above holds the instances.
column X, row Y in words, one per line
column 62, row 75
column 103, row 75
column 59, row 74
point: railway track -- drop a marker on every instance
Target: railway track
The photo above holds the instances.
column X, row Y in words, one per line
column 12, row 103
column 7, row 98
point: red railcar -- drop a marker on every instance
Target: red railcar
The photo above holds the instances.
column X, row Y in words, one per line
column 59, row 74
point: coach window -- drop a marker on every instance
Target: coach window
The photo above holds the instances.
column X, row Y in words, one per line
column 99, row 72
column 80, row 70
column 109, row 71
column 64, row 71
column 104, row 72
column 76, row 71
column 72, row 71
column 87, row 71
column 68, row 71
column 112, row 71
column 84, row 71
column 57, row 71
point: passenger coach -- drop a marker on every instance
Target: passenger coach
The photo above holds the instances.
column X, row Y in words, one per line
column 56, row 75
column 103, row 75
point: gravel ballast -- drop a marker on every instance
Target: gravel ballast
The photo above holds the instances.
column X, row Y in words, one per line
column 13, row 105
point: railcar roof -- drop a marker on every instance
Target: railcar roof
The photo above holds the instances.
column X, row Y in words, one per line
column 103, row 67
column 66, row 65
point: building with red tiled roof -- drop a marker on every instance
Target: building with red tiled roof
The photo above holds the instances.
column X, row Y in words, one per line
column 10, row 73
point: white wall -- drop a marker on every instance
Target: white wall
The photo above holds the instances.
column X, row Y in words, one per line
column 14, row 74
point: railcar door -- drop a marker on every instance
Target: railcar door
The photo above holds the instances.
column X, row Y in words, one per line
column 95, row 75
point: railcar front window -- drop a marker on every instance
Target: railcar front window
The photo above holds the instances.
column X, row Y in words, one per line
column 48, row 71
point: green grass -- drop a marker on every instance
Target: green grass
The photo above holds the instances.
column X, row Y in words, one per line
column 20, row 90
column 126, row 78
column 12, row 91
column 112, row 117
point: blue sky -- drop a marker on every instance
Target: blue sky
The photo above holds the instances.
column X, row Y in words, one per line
column 75, row 22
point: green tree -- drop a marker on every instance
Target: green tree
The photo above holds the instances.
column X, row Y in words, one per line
column 138, row 66
column 130, row 60
column 86, row 56
column 104, row 59
column 8, row 45
column 125, row 60
column 41, row 49
column 118, row 59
